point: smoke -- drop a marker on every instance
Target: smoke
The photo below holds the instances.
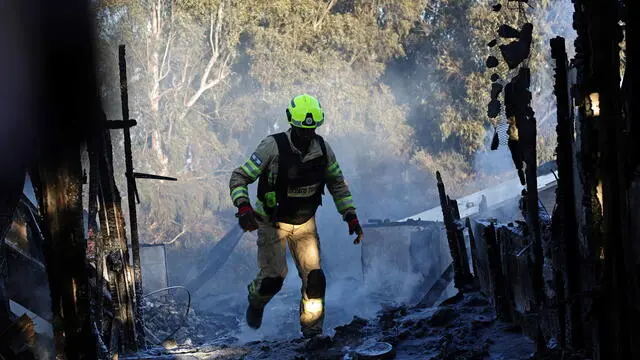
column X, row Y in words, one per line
column 384, row 185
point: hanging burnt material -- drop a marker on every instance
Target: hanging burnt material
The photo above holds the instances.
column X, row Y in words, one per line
column 508, row 32
column 512, row 131
column 517, row 51
column 526, row 124
column 494, row 106
column 522, row 140
column 495, row 142
column 492, row 62
column 494, row 109
column 496, row 89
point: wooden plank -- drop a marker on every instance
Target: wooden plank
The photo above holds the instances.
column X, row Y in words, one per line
column 564, row 219
column 461, row 246
column 497, row 280
column 459, row 278
column 472, row 244
column 480, row 256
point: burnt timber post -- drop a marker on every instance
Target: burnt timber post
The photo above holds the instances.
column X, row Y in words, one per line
column 460, row 275
column 131, row 193
column 619, row 335
column 115, row 250
column 590, row 236
column 472, row 245
column 498, row 283
column 60, row 182
column 564, row 220
column 94, row 236
column 461, row 245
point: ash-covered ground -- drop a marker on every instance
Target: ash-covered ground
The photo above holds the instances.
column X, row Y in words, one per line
column 462, row 327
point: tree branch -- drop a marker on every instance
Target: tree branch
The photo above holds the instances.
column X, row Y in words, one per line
column 223, row 71
column 317, row 24
column 165, row 66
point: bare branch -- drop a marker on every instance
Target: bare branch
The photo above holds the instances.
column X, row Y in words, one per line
column 201, row 91
column 354, row 58
column 223, row 71
column 165, row 67
column 184, row 72
column 219, row 27
column 138, row 57
column 317, row 24
column 211, row 33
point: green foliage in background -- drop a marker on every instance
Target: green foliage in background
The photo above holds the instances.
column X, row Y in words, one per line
column 403, row 84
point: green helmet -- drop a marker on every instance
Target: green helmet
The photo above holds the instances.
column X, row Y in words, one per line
column 305, row 111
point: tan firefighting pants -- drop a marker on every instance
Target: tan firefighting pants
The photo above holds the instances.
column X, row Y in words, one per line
column 305, row 247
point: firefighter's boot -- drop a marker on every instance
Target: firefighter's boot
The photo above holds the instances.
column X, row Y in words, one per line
column 254, row 316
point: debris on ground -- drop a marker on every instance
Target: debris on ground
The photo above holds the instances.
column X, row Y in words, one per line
column 462, row 328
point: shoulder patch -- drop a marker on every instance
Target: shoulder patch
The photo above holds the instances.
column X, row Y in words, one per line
column 256, row 159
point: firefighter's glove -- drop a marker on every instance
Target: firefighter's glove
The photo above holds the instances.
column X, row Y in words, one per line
column 247, row 218
column 354, row 227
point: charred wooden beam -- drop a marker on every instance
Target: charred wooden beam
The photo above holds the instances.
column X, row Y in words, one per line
column 472, row 244
column 65, row 252
column 95, row 240
column 460, row 279
column 460, row 243
column 605, row 35
column 131, row 193
column 138, row 175
column 565, row 227
column 113, row 236
column 498, row 283
column 521, row 110
column 589, row 216
column 120, row 124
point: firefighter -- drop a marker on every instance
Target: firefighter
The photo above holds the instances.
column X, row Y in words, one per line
column 292, row 169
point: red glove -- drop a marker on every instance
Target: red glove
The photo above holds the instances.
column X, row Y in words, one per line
column 247, row 218
column 354, row 227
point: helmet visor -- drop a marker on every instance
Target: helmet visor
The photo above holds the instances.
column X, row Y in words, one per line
column 310, row 119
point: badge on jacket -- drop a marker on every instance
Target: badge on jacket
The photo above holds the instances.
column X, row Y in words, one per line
column 302, row 191
column 256, row 160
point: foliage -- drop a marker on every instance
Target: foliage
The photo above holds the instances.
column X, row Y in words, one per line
column 448, row 82
column 403, row 84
